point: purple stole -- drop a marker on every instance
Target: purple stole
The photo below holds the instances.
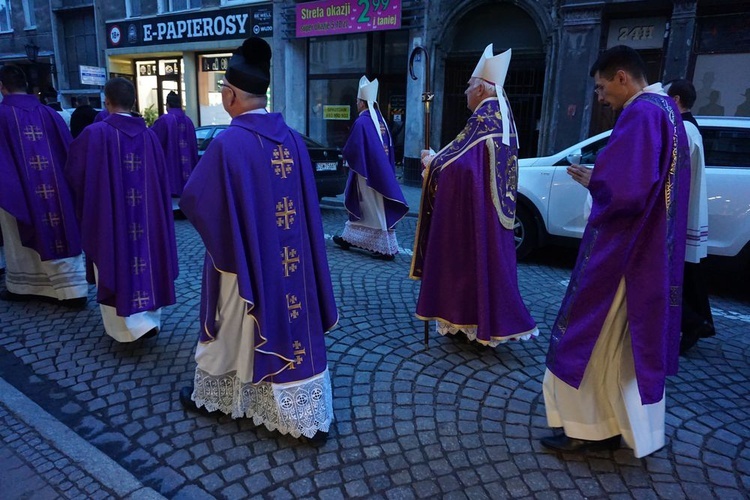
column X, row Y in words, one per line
column 116, row 170
column 374, row 161
column 176, row 134
column 257, row 212
column 33, row 189
column 636, row 230
column 464, row 249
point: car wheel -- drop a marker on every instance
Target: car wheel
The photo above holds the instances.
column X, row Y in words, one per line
column 525, row 232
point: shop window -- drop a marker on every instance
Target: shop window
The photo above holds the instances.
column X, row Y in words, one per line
column 133, row 8
column 721, row 89
column 5, row 16
column 338, row 54
column 178, row 5
column 333, row 108
column 29, row 14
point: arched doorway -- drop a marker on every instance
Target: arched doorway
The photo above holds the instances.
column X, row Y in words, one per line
column 506, row 26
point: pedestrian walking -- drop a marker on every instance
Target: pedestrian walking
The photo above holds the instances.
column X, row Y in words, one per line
column 267, row 297
column 697, row 321
column 464, row 251
column 616, row 337
column 119, row 181
column 372, row 197
column 40, row 233
column 176, row 134
column 82, row 116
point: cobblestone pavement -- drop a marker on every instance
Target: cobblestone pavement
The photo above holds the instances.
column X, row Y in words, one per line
column 454, row 421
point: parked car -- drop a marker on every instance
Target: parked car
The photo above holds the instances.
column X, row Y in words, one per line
column 551, row 203
column 330, row 171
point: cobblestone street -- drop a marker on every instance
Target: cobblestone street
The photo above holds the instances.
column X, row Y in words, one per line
column 85, row 417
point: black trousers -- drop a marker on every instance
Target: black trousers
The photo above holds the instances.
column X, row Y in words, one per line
column 696, row 311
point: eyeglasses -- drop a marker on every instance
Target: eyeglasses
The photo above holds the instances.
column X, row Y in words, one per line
column 221, row 86
column 599, row 88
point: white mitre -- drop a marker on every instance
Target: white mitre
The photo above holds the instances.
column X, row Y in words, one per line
column 368, row 91
column 493, row 69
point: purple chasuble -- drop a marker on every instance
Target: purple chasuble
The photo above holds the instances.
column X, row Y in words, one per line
column 636, row 230
column 464, row 251
column 33, row 189
column 373, row 160
column 101, row 115
column 117, row 174
column 176, row 134
column 256, row 209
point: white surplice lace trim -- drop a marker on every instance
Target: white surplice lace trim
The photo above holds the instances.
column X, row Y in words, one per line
column 296, row 408
column 471, row 334
column 374, row 240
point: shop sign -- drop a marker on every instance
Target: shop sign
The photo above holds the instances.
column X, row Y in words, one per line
column 336, row 112
column 224, row 24
column 92, row 75
column 335, row 17
column 639, row 33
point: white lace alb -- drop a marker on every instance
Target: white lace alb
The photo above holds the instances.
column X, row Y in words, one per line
column 296, row 408
column 374, row 240
column 471, row 333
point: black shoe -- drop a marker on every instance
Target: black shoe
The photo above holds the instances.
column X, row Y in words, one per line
column 562, row 442
column 318, row 439
column 77, row 303
column 151, row 333
column 187, row 402
column 15, row 297
column 342, row 242
column 383, row 256
column 706, row 330
column 179, row 215
column 688, row 340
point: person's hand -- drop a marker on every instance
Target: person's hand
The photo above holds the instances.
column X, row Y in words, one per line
column 427, row 155
column 580, row 174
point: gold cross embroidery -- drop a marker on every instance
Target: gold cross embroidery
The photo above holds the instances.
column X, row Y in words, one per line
column 45, row 191
column 289, row 261
column 38, row 162
column 285, row 213
column 299, row 351
column 136, row 231
column 293, row 305
column 282, row 161
column 134, row 197
column 184, row 159
column 51, row 219
column 183, row 143
column 140, row 299
column 32, row 133
column 181, row 126
column 132, row 162
column 59, row 246
column 139, row 265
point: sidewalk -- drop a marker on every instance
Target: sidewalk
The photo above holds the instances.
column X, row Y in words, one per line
column 41, row 458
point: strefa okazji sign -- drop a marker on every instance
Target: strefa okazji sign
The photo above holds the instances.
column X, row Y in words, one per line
column 335, row 17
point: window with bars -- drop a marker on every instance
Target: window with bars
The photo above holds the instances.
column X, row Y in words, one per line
column 5, row 25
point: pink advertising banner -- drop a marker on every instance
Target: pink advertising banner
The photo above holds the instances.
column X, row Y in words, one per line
column 334, row 17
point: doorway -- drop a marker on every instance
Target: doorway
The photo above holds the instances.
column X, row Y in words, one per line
column 155, row 79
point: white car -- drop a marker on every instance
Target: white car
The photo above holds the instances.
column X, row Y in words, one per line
column 551, row 203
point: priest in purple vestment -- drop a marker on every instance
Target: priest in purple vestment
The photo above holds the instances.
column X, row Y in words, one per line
column 121, row 190
column 41, row 237
column 617, row 334
column 267, row 298
column 176, row 134
column 464, row 250
column 372, row 196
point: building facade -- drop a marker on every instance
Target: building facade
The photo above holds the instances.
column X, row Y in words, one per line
column 322, row 47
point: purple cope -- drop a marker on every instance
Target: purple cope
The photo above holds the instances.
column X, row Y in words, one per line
column 464, row 249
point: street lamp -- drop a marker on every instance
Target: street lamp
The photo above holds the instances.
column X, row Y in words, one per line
column 32, row 51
